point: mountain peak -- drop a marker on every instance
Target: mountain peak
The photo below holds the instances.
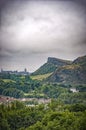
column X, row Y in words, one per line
column 57, row 61
column 51, row 65
column 80, row 60
column 72, row 73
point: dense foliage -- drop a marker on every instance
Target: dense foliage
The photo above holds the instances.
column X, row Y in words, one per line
column 19, row 86
column 54, row 116
column 16, row 85
column 66, row 111
column 66, row 106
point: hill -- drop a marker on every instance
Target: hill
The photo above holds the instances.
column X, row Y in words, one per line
column 51, row 65
column 73, row 73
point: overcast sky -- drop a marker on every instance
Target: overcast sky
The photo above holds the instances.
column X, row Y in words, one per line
column 32, row 30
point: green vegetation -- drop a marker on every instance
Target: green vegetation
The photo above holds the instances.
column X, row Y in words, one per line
column 40, row 77
column 46, row 68
column 26, row 87
column 53, row 116
column 8, row 80
column 74, row 73
column 16, row 85
column 51, row 65
column 66, row 110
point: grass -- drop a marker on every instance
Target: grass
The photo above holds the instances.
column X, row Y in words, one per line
column 40, row 77
column 31, row 93
column 8, row 80
column 71, row 67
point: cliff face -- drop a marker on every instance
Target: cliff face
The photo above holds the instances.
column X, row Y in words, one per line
column 58, row 62
column 51, row 65
column 73, row 73
column 64, row 71
column 80, row 60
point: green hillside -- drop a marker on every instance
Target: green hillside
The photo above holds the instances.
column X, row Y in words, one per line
column 80, row 60
column 51, row 65
column 40, row 77
column 73, row 73
column 28, row 102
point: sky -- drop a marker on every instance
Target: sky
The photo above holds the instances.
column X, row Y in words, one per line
column 33, row 30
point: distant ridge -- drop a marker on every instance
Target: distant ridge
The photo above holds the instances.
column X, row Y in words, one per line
column 57, row 61
column 51, row 65
column 80, row 60
column 73, row 73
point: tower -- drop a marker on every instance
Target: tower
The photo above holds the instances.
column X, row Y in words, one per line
column 25, row 70
column 1, row 70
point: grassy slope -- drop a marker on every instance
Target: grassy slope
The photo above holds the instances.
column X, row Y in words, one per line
column 50, row 66
column 46, row 68
column 73, row 73
column 40, row 77
column 8, row 80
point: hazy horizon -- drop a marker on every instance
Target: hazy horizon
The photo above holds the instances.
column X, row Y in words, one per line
column 33, row 30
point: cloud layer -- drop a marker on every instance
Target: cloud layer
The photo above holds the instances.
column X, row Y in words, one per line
column 32, row 31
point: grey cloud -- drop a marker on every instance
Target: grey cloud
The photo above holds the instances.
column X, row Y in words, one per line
column 31, row 30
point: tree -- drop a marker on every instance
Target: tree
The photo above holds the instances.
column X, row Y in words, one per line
column 3, row 122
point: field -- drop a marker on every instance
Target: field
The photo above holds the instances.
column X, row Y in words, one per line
column 40, row 77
